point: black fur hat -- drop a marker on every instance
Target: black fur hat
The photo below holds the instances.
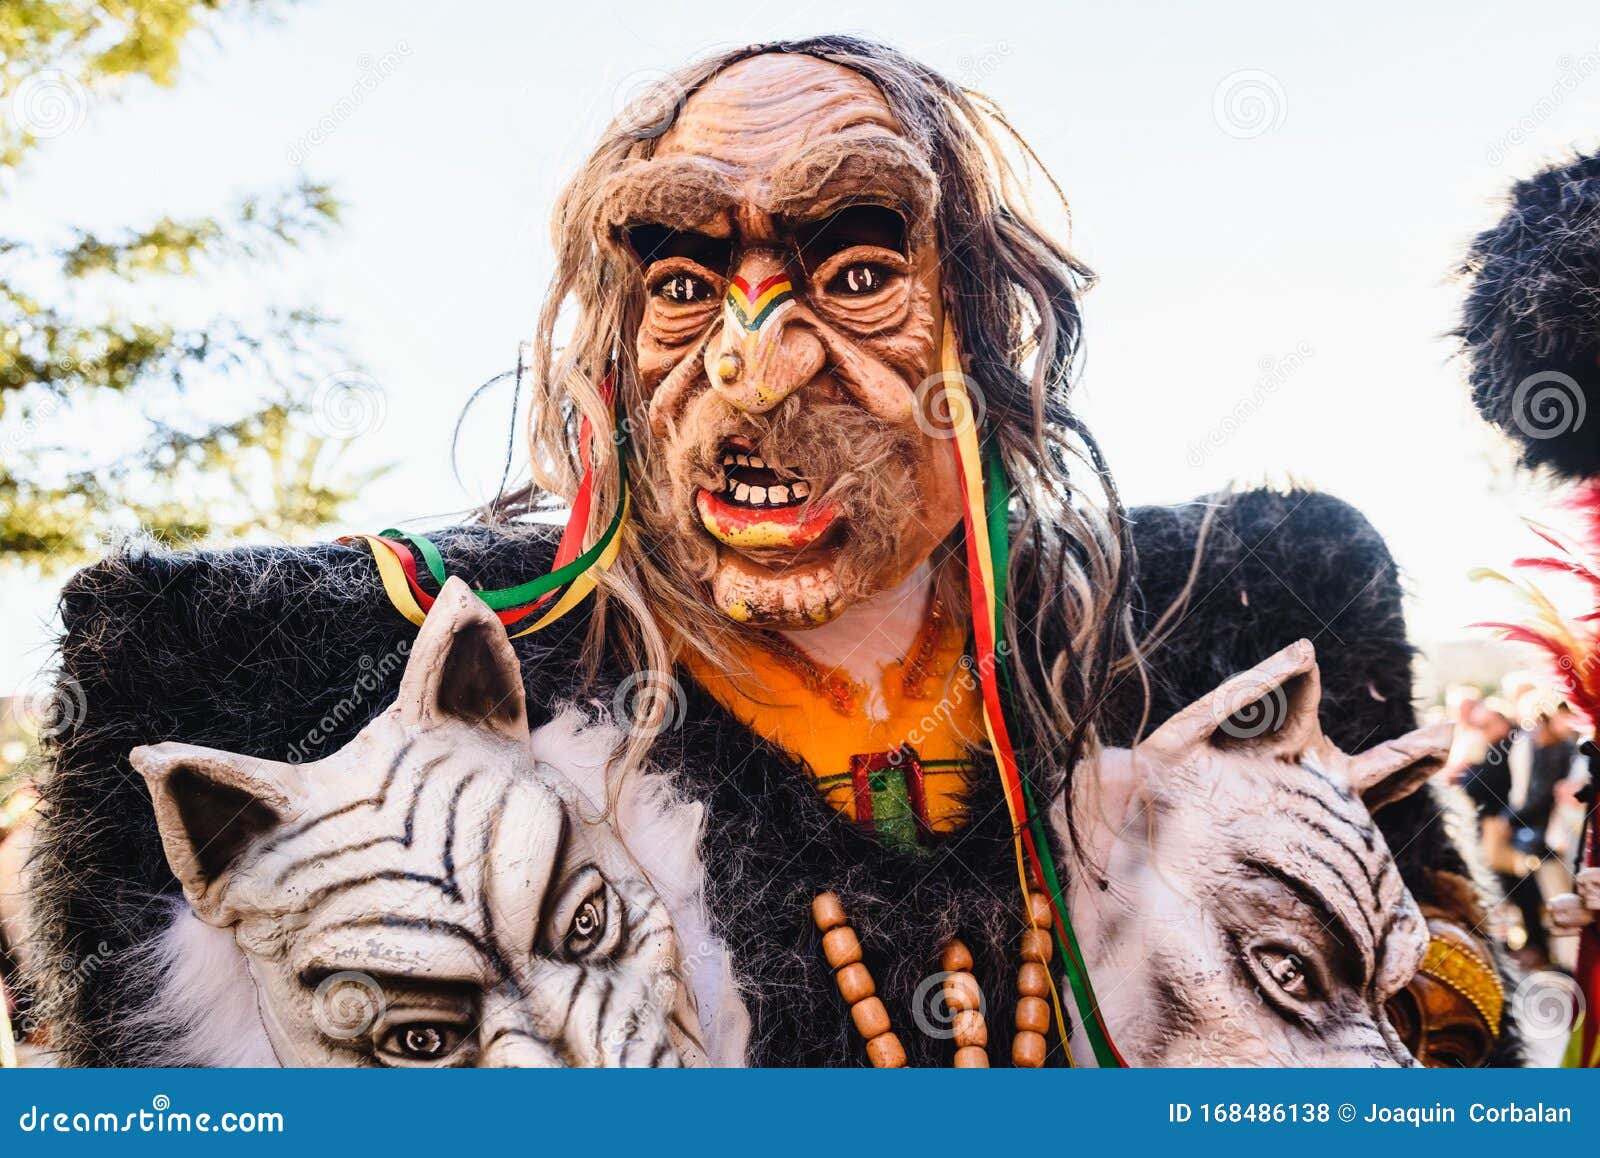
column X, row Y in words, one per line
column 1531, row 322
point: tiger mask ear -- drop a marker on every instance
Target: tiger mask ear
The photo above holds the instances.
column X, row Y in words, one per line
column 211, row 807
column 462, row 668
column 1395, row 769
column 1270, row 709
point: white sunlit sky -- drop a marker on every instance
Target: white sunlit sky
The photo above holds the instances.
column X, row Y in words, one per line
column 1272, row 195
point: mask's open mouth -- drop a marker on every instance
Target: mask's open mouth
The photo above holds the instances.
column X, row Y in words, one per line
column 760, row 506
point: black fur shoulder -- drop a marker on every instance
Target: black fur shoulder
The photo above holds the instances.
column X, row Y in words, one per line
column 1274, row 566
column 1530, row 324
column 283, row 653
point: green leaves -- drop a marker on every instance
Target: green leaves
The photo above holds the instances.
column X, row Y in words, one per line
column 168, row 246
column 78, row 362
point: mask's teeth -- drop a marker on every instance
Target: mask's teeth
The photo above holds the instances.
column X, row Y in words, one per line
column 759, row 491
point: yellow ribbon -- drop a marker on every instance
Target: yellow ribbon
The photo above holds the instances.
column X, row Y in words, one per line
column 583, row 584
column 970, row 457
column 398, row 590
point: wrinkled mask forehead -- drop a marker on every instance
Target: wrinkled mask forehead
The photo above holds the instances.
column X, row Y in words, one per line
column 791, row 136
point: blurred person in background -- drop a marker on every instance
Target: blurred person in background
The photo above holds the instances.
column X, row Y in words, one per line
column 1479, row 761
column 1542, row 767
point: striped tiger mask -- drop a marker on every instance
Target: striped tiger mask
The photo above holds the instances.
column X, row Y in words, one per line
column 1234, row 900
column 429, row 895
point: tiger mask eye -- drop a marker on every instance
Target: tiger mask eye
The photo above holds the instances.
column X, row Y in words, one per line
column 587, row 920
column 420, row 1043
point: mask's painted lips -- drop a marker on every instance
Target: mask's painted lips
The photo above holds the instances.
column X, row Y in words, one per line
column 788, row 527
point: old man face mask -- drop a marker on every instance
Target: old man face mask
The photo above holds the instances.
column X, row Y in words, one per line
column 784, row 232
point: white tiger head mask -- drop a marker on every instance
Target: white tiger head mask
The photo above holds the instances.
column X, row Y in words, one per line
column 1235, row 901
column 429, row 895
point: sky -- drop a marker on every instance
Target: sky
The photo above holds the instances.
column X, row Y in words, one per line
column 1273, row 197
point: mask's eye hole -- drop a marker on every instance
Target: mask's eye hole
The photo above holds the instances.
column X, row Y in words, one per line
column 859, row 278
column 588, row 923
column 421, row 1041
column 1286, row 970
column 684, row 288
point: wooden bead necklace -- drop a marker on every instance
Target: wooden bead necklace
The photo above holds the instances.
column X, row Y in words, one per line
column 843, row 951
column 962, row 996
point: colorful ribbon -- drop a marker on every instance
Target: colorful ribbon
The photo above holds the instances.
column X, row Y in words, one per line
column 988, row 541
column 397, row 565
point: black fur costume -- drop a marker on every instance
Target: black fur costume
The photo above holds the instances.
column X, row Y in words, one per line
column 248, row 650
column 1532, row 307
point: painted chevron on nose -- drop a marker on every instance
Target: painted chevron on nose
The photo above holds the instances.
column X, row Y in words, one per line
column 751, row 307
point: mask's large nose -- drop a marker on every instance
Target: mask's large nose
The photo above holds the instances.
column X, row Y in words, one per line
column 766, row 350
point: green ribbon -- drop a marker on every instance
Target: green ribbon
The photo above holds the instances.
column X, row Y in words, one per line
column 508, row 597
column 997, row 493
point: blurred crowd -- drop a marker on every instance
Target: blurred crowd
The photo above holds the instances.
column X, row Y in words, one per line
column 1521, row 756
